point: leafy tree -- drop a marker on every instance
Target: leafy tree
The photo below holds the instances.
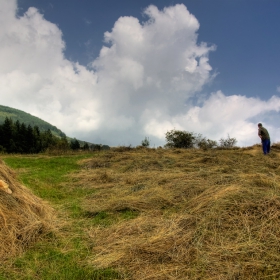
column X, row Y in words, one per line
column 184, row 139
column 179, row 139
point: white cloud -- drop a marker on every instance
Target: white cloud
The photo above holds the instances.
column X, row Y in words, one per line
column 220, row 116
column 35, row 76
column 140, row 85
column 156, row 65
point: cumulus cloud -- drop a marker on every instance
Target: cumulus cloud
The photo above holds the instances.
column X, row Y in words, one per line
column 140, row 85
column 36, row 77
column 221, row 115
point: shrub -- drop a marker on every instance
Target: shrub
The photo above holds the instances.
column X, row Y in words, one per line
column 179, row 139
column 145, row 142
column 185, row 139
column 228, row 142
column 207, row 144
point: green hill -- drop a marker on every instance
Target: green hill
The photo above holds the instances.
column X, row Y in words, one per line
column 28, row 119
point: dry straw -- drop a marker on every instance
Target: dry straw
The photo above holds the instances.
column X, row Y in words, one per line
column 201, row 214
column 24, row 218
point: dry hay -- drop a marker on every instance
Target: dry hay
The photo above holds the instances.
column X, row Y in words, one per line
column 202, row 214
column 24, row 218
column 4, row 187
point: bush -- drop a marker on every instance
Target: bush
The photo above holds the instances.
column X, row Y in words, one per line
column 179, row 139
column 145, row 142
column 184, row 139
column 207, row 144
column 228, row 142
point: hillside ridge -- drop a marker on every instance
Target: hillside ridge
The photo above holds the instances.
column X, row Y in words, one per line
column 28, row 119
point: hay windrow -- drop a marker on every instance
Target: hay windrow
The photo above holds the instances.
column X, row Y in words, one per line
column 24, row 218
column 201, row 214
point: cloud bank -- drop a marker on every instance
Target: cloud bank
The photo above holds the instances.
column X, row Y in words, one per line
column 143, row 82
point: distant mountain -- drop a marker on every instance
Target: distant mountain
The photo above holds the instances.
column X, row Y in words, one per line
column 28, row 119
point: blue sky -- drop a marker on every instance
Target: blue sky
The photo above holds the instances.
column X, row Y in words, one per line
column 229, row 94
column 246, row 33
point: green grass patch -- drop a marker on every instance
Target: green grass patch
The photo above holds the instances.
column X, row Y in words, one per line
column 63, row 256
column 47, row 176
column 53, row 264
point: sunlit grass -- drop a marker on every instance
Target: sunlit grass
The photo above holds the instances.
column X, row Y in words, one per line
column 155, row 214
column 47, row 176
column 62, row 256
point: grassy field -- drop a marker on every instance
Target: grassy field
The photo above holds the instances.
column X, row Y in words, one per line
column 62, row 256
column 154, row 214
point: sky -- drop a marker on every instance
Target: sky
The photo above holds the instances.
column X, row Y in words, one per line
column 114, row 72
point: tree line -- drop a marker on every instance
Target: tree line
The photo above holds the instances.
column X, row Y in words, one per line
column 186, row 140
column 17, row 137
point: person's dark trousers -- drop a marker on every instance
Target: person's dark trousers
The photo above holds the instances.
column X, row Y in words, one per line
column 266, row 146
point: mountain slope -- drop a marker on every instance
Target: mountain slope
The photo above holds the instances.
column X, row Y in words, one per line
column 28, row 119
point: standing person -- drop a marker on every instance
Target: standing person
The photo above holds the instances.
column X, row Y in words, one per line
column 264, row 135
